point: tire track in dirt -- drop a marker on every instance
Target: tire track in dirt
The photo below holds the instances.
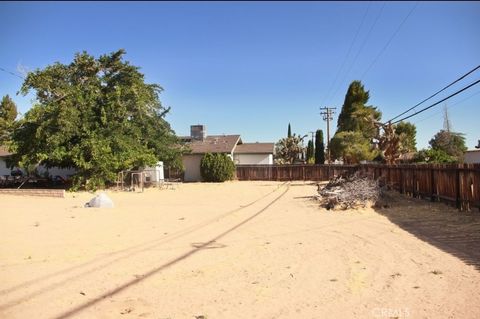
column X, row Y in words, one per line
column 124, row 254
column 164, row 266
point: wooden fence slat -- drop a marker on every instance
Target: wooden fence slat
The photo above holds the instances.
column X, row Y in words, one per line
column 457, row 184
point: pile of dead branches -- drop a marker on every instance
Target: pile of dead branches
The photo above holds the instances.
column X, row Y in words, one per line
column 349, row 192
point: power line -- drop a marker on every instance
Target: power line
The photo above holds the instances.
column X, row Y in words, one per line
column 389, row 41
column 448, row 107
column 360, row 49
column 443, row 89
column 430, row 106
column 14, row 74
column 347, row 55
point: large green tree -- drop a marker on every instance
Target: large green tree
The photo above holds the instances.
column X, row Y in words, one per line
column 451, row 143
column 355, row 115
column 357, row 121
column 289, row 133
column 97, row 115
column 319, row 148
column 8, row 114
column 352, row 147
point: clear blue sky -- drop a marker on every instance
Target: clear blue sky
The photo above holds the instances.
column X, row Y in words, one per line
column 250, row 68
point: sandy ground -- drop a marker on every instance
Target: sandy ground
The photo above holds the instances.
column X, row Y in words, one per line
column 235, row 250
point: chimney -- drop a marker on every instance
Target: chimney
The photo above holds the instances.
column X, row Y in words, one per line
column 198, row 132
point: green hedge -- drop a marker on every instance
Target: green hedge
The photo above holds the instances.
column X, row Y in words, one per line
column 217, row 167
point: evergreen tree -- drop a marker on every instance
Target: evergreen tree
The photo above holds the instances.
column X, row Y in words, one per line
column 358, row 123
column 289, row 134
column 352, row 147
column 310, row 152
column 8, row 114
column 356, row 116
column 451, row 143
column 319, row 148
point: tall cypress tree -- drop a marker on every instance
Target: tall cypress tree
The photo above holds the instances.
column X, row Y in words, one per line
column 319, row 148
column 310, row 151
column 355, row 115
column 289, row 134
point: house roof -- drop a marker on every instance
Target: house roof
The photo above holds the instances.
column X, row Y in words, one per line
column 214, row 144
column 254, row 148
column 4, row 151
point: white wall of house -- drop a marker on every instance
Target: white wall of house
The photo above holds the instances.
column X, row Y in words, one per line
column 191, row 163
column 4, row 170
column 472, row 157
column 252, row 159
column 54, row 171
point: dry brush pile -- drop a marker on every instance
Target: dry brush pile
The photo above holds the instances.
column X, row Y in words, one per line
column 349, row 192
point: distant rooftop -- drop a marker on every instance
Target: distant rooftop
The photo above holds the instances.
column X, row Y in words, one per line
column 254, row 148
column 4, row 151
column 213, row 144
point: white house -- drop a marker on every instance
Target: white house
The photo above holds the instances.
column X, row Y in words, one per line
column 253, row 153
column 472, row 157
column 232, row 145
column 4, row 170
column 41, row 170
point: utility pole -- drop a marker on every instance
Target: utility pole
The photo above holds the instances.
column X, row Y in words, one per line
column 327, row 113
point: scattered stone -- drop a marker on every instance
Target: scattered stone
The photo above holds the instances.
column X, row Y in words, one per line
column 125, row 311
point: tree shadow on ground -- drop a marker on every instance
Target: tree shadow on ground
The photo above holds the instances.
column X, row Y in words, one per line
column 445, row 227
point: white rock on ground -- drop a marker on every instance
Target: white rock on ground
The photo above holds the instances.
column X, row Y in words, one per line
column 101, row 201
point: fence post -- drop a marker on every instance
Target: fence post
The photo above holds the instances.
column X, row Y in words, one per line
column 457, row 185
column 387, row 182
column 432, row 185
column 414, row 182
column 401, row 181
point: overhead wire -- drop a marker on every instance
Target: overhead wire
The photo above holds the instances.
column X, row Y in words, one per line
column 436, row 103
column 455, row 104
column 347, row 55
column 14, row 74
column 390, row 40
column 436, row 93
column 360, row 49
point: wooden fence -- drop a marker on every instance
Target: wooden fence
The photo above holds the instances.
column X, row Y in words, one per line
column 457, row 184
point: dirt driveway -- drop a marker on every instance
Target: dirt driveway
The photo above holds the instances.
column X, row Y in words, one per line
column 234, row 250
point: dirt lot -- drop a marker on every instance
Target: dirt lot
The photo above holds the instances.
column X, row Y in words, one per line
column 235, row 250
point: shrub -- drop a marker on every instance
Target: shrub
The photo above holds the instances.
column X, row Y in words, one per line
column 216, row 167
